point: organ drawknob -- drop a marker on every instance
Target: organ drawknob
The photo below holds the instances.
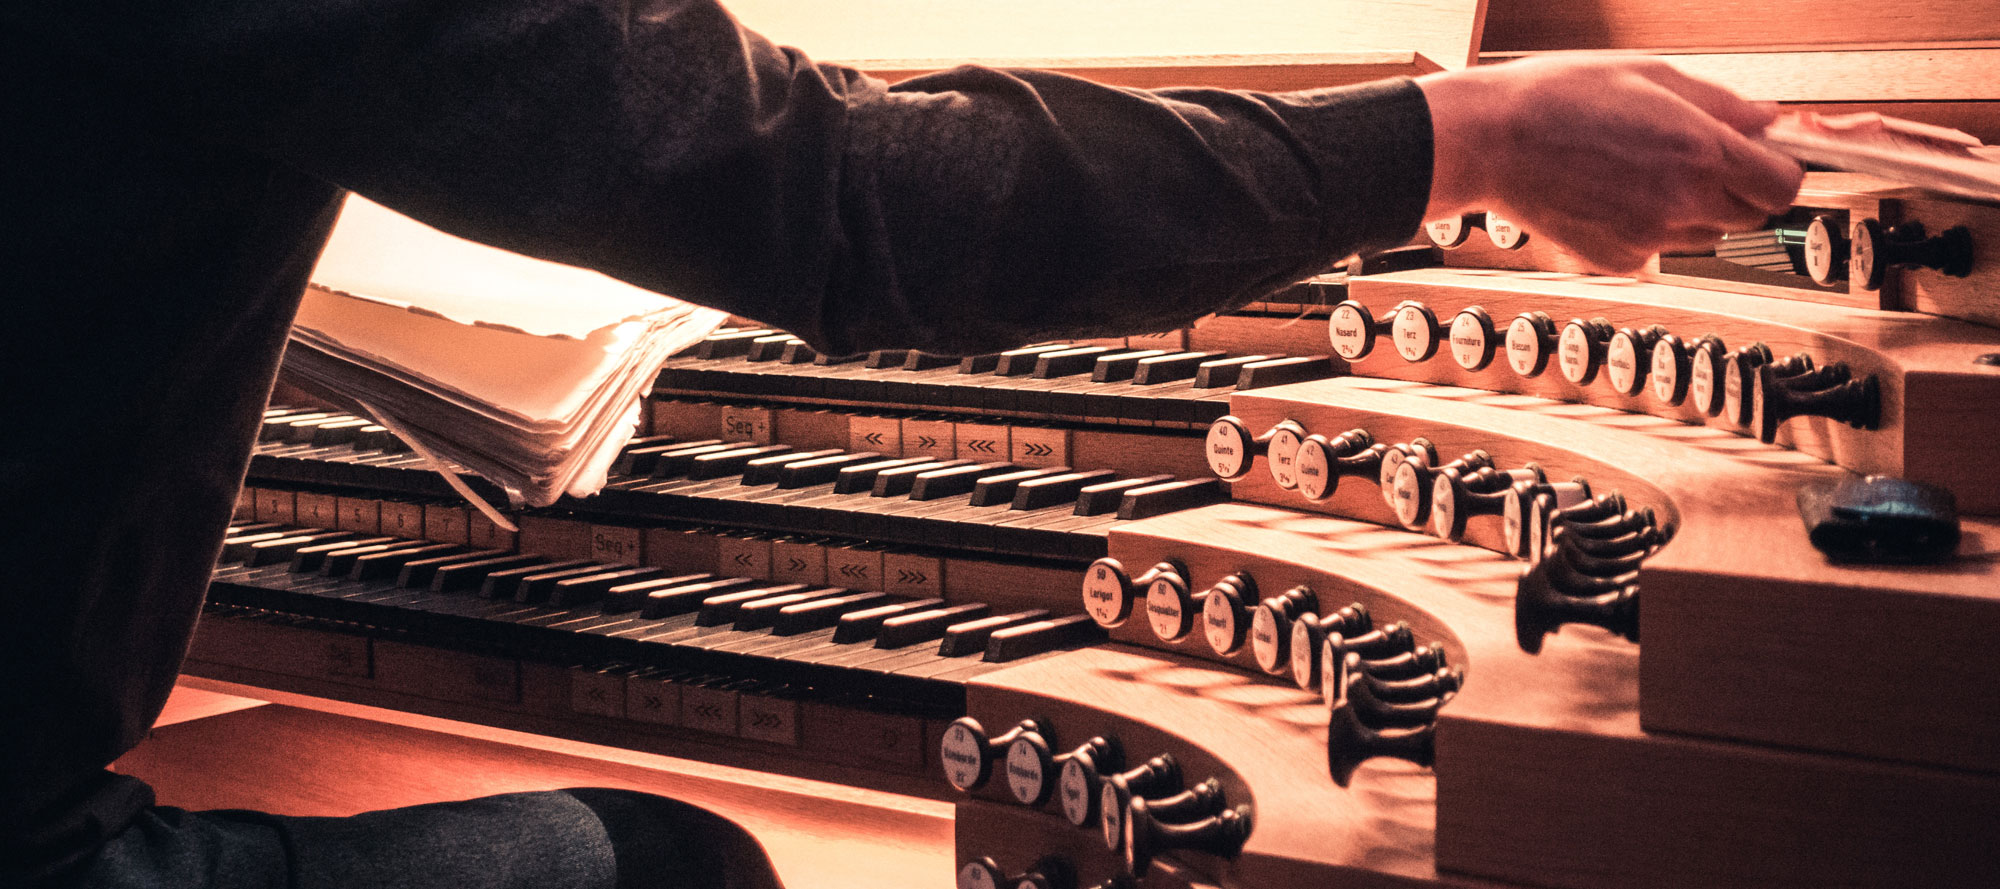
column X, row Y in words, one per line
column 1875, row 250
column 968, row 754
column 1232, row 451
column 1108, row 592
column 1826, row 250
column 1050, row 872
column 1531, row 336
column 1159, row 776
column 1194, row 803
column 1414, row 331
column 1581, row 347
column 1452, row 231
column 1146, row 836
column 1271, row 627
column 1472, row 338
column 1082, row 773
column 1225, row 612
column 1352, row 330
column 1323, row 462
column 1629, row 356
column 1774, row 399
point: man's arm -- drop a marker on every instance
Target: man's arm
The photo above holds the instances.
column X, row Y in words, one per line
column 664, row 145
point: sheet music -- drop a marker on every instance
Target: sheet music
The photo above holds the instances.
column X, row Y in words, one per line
column 1917, row 154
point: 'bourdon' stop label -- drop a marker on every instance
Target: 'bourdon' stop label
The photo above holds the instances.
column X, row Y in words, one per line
column 963, row 754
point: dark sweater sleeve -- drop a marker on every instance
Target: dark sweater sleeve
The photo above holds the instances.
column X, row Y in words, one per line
column 659, row 142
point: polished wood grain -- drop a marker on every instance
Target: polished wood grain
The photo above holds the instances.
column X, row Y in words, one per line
column 1262, row 72
column 1522, row 25
column 314, row 757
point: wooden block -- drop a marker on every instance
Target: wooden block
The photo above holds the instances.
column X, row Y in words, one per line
column 358, row 514
column 711, row 709
column 982, row 442
column 597, row 692
column 446, row 675
column 770, row 718
column 881, row 434
column 1178, row 454
column 811, row 430
column 798, row 561
column 681, row 548
column 749, row 424
column 1040, row 446
column 246, row 505
column 274, row 505
column 686, row 420
column 1519, row 25
column 402, row 518
column 929, row 438
column 854, row 567
column 316, row 510
column 295, row 651
column 1008, row 585
column 653, row 699
column 911, row 574
column 446, row 523
column 617, row 544
column 483, row 534
column 739, row 556
column 555, row 538
column 863, row 735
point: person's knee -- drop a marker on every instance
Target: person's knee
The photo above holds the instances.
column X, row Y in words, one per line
column 667, row 844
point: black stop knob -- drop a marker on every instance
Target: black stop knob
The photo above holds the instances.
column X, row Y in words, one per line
column 1146, row 836
column 1774, row 400
column 1875, row 250
column 1323, row 462
column 1083, row 771
column 1351, row 742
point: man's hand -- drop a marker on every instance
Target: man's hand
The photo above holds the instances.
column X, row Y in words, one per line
column 1613, row 158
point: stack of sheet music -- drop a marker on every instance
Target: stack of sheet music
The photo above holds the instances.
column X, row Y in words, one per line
column 1913, row 153
column 529, row 373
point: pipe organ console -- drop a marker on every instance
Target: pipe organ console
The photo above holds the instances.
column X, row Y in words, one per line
column 1345, row 588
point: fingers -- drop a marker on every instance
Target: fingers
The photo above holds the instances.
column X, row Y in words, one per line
column 1759, row 176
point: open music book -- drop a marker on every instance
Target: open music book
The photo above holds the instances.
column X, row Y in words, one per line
column 527, row 372
column 1926, row 156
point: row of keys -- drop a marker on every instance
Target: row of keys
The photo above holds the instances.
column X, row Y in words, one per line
column 323, row 428
column 1423, row 491
column 1139, row 812
column 1144, row 386
column 1632, row 360
column 593, row 611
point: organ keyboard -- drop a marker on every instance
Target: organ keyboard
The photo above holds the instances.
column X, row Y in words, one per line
column 1464, row 569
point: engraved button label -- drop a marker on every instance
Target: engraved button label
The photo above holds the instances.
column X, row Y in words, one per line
column 1303, row 653
column 1444, row 506
column 1348, row 332
column 1701, row 383
column 1732, row 391
column 976, row 876
column 1414, row 335
column 1861, row 256
column 1573, row 353
column 1329, row 671
column 1315, row 476
column 1505, row 235
column 1110, row 816
column 1449, row 232
column 1218, row 623
column 1074, row 791
column 960, row 753
column 746, row 424
column 1621, row 364
column 1666, row 372
column 1386, row 479
column 1103, row 594
column 1819, row 251
column 1511, row 511
column 1524, row 346
column 1468, row 341
column 1228, row 453
column 1406, row 495
column 1283, row 457
column 1264, row 641
column 1163, row 609
column 1024, row 771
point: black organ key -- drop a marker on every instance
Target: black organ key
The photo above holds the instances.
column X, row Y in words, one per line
column 539, row 586
column 927, row 361
column 668, row 601
column 970, row 637
column 729, row 343
column 586, row 588
column 310, row 557
column 676, row 461
column 833, row 360
column 502, row 583
column 1056, row 490
column 884, row 358
column 722, row 608
column 995, row 490
column 279, row 550
column 863, row 625
column 469, row 575
column 1122, row 366
column 1222, row 373
column 820, row 614
column 640, row 459
column 733, row 461
column 1151, row 500
column 897, row 482
column 924, row 626
column 344, row 562
column 1068, row 362
column 955, row 481
column 237, row 548
column 1171, row 367
column 860, row 478
column 1022, row 361
column 1024, row 640
column 388, row 563
column 1105, row 497
column 1279, row 371
column 417, row 573
column 797, row 352
column 820, row 470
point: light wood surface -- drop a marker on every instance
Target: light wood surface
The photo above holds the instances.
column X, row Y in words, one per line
column 1445, row 31
column 1266, row 72
column 315, row 757
column 1522, row 25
